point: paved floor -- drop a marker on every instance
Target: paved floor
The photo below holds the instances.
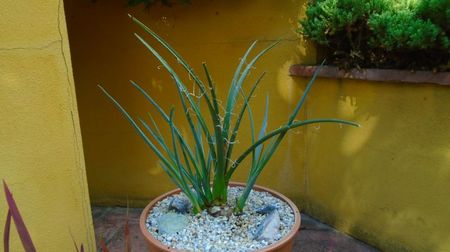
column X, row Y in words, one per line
column 313, row 236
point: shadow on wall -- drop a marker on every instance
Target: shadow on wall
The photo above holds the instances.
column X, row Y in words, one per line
column 104, row 51
column 388, row 182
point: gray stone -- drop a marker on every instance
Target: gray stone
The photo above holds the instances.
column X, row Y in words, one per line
column 181, row 206
column 171, row 223
column 214, row 211
column 217, row 211
column 269, row 229
column 266, row 209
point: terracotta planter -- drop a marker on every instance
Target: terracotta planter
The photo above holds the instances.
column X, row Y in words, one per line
column 283, row 245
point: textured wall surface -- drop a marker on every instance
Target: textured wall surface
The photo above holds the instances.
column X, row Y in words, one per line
column 104, row 50
column 41, row 155
column 387, row 183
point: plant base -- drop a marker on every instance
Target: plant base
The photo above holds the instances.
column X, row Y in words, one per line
column 290, row 223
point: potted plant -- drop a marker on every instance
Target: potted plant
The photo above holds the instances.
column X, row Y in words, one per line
column 208, row 212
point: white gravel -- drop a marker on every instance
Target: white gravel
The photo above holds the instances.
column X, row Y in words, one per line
column 235, row 234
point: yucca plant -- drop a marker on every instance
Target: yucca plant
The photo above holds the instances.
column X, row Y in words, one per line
column 204, row 169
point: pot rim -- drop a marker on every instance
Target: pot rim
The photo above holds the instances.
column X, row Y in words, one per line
column 149, row 237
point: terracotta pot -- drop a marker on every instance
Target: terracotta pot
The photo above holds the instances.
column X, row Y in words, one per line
column 283, row 245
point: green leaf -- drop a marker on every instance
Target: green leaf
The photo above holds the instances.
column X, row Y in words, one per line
column 231, row 101
column 239, row 118
column 262, row 131
column 283, row 130
column 177, row 159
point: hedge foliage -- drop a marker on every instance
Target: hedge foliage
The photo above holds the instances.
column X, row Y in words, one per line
column 404, row 34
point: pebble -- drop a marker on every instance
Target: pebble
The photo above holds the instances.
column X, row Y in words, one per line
column 216, row 211
column 171, row 223
column 180, row 205
column 266, row 209
column 236, row 233
column 268, row 230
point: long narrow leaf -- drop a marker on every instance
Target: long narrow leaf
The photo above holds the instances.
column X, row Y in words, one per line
column 6, row 232
column 211, row 88
column 221, row 162
column 173, row 177
column 201, row 175
column 256, row 172
column 162, row 113
column 232, row 93
column 268, row 154
column 252, row 135
column 279, row 131
column 262, row 131
column 239, row 68
column 291, row 119
column 194, row 179
column 180, row 86
column 233, row 87
column 213, row 109
column 24, row 235
column 257, row 151
column 161, row 142
column 138, row 130
column 178, row 162
column 157, row 134
column 239, row 119
column 159, row 139
column 182, row 90
column 151, row 100
column 178, row 57
column 221, row 146
column 197, row 137
column 238, row 85
column 305, row 93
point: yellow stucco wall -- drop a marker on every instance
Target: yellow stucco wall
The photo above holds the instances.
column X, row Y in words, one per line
column 41, row 155
column 389, row 181
column 104, row 50
column 386, row 183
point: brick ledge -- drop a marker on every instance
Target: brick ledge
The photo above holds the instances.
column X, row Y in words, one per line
column 371, row 74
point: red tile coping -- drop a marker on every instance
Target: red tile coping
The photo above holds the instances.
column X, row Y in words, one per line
column 372, row 74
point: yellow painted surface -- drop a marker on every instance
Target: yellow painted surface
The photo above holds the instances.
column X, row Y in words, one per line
column 104, row 50
column 41, row 155
column 387, row 183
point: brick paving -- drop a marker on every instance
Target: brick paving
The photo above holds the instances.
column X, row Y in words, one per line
column 313, row 235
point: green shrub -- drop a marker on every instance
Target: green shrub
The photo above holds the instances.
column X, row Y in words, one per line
column 380, row 33
column 437, row 11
